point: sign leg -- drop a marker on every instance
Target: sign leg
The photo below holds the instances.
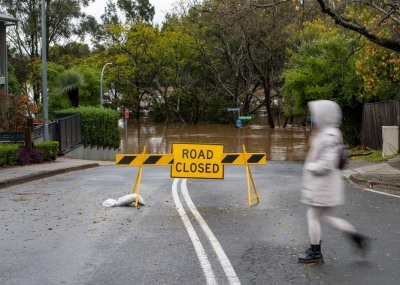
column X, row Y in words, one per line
column 138, row 178
column 250, row 178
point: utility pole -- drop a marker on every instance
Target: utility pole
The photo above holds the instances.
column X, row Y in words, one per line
column 44, row 75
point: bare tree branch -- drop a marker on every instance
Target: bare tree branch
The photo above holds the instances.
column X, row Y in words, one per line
column 389, row 14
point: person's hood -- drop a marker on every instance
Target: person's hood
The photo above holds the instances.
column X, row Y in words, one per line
column 325, row 113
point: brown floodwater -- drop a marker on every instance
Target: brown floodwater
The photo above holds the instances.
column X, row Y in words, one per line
column 289, row 143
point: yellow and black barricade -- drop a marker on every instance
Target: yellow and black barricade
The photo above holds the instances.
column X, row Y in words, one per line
column 189, row 160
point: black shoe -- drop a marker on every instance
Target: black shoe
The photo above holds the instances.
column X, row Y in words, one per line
column 313, row 254
column 362, row 242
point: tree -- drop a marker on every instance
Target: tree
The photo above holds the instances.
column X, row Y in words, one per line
column 137, row 10
column 69, row 54
column 90, row 90
column 110, row 16
column 69, row 82
column 245, row 49
column 26, row 37
column 320, row 68
column 324, row 67
column 15, row 108
column 379, row 70
column 376, row 20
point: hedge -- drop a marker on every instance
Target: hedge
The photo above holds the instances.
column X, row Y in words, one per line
column 48, row 149
column 99, row 126
column 10, row 153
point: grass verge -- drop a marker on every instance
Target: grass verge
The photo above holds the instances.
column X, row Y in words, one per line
column 358, row 153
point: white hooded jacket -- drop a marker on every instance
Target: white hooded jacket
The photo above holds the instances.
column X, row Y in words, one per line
column 322, row 182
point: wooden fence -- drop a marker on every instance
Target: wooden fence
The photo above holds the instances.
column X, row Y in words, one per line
column 376, row 115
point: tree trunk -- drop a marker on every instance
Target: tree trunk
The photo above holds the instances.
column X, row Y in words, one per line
column 74, row 97
column 267, row 96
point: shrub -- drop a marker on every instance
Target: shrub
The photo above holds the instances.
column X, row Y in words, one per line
column 36, row 156
column 15, row 107
column 9, row 154
column 49, row 150
column 12, row 154
column 99, row 126
column 23, row 156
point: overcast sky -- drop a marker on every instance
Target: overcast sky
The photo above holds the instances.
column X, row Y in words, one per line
column 96, row 9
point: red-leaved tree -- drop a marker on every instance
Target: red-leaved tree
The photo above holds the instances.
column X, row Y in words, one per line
column 14, row 111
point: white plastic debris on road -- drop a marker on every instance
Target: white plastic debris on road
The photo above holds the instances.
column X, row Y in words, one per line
column 123, row 201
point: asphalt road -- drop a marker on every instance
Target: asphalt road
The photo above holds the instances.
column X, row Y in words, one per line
column 56, row 231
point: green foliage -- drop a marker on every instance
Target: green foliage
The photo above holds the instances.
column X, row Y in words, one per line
column 62, row 17
column 379, row 71
column 159, row 112
column 216, row 112
column 317, row 71
column 12, row 154
column 13, row 85
column 137, row 10
column 324, row 68
column 9, row 154
column 378, row 21
column 374, row 156
column 89, row 93
column 68, row 81
column 48, row 149
column 99, row 126
column 70, row 54
column 83, row 77
column 199, row 63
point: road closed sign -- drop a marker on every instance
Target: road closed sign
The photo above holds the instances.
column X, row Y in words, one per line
column 197, row 161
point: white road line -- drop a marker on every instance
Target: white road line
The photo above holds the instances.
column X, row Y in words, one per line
column 201, row 254
column 223, row 259
column 383, row 193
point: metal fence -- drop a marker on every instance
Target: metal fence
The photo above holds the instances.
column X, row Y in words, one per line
column 66, row 129
column 69, row 132
column 38, row 131
column 376, row 115
column 12, row 137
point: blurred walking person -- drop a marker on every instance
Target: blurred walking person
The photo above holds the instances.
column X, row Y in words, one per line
column 323, row 187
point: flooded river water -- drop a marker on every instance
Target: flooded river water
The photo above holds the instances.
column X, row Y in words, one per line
column 289, row 144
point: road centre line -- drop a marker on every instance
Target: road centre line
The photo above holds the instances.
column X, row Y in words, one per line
column 201, row 254
column 223, row 259
column 382, row 193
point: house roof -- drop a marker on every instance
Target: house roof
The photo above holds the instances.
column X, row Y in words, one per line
column 4, row 18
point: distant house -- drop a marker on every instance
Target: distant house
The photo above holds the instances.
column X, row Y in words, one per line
column 4, row 22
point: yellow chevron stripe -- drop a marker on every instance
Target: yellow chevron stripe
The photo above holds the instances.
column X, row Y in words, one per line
column 147, row 159
column 239, row 158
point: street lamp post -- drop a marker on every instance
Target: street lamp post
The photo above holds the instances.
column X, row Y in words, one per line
column 44, row 75
column 101, row 84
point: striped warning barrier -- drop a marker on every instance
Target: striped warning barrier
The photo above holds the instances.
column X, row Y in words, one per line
column 190, row 160
column 168, row 159
column 146, row 159
column 239, row 158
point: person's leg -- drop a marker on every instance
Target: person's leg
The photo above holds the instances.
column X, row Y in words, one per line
column 346, row 227
column 313, row 254
column 336, row 223
column 314, row 215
